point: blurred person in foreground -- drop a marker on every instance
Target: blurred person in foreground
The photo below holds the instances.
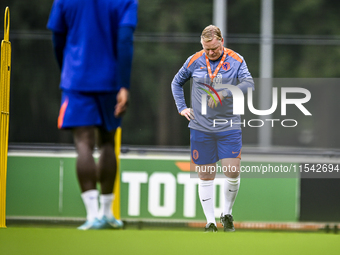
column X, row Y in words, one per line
column 210, row 69
column 93, row 44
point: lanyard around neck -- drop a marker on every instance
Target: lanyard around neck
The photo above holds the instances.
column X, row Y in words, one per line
column 213, row 75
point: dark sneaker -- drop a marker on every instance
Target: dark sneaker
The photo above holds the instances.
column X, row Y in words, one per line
column 210, row 227
column 227, row 222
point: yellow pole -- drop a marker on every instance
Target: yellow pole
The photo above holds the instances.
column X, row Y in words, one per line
column 5, row 71
column 116, row 192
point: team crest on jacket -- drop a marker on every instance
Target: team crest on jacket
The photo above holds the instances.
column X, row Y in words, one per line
column 195, row 154
column 226, row 66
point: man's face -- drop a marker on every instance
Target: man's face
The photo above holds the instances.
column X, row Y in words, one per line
column 213, row 49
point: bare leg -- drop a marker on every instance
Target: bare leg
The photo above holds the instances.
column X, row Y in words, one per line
column 84, row 138
column 207, row 172
column 233, row 166
column 107, row 164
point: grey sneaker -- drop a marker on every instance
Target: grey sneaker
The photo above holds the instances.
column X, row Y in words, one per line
column 210, row 227
column 227, row 222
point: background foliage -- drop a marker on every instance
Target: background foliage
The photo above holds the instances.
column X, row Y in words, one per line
column 167, row 33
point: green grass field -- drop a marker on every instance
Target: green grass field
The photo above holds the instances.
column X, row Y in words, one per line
column 60, row 241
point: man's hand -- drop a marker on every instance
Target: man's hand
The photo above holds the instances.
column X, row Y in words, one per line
column 188, row 113
column 212, row 100
column 122, row 102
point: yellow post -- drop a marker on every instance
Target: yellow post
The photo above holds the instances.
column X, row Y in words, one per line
column 5, row 71
column 116, row 192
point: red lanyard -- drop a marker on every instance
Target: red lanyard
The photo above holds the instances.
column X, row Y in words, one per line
column 212, row 76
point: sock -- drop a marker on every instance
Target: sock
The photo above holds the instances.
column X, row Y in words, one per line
column 90, row 199
column 105, row 201
column 206, row 194
column 231, row 187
